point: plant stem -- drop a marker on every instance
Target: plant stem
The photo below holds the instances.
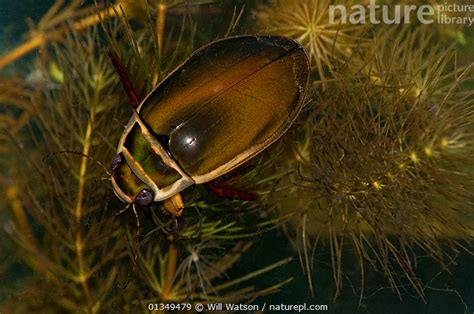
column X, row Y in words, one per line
column 170, row 270
column 83, row 277
column 19, row 212
column 160, row 26
column 42, row 38
column 41, row 262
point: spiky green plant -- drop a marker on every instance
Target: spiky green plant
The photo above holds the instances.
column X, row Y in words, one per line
column 378, row 166
column 384, row 162
column 327, row 42
column 84, row 256
column 415, row 63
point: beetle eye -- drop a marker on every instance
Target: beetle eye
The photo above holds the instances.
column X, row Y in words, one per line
column 116, row 162
column 144, row 198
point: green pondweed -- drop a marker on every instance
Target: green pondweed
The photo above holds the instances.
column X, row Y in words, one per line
column 377, row 168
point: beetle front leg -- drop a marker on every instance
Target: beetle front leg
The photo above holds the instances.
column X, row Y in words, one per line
column 174, row 205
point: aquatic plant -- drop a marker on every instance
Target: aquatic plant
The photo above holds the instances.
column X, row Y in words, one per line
column 88, row 255
column 444, row 12
column 378, row 167
column 327, row 42
column 54, row 25
column 384, row 164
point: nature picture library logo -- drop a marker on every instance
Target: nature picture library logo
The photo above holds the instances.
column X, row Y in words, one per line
column 376, row 13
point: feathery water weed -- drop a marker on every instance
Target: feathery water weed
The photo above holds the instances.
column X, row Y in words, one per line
column 308, row 21
column 79, row 250
column 379, row 163
column 387, row 171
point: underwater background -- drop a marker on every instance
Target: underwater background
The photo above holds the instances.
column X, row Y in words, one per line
column 366, row 204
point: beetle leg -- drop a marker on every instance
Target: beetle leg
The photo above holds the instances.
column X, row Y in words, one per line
column 228, row 193
column 174, row 205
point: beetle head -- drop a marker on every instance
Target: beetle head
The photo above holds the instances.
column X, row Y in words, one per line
column 127, row 186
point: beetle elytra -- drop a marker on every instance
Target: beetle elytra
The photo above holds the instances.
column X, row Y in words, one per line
column 225, row 104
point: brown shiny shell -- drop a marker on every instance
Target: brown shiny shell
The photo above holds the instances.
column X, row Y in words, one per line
column 226, row 103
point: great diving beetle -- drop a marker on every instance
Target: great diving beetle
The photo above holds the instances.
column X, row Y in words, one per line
column 225, row 104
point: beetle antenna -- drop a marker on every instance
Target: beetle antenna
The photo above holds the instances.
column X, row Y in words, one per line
column 122, row 210
column 137, row 240
column 98, row 162
column 125, row 79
